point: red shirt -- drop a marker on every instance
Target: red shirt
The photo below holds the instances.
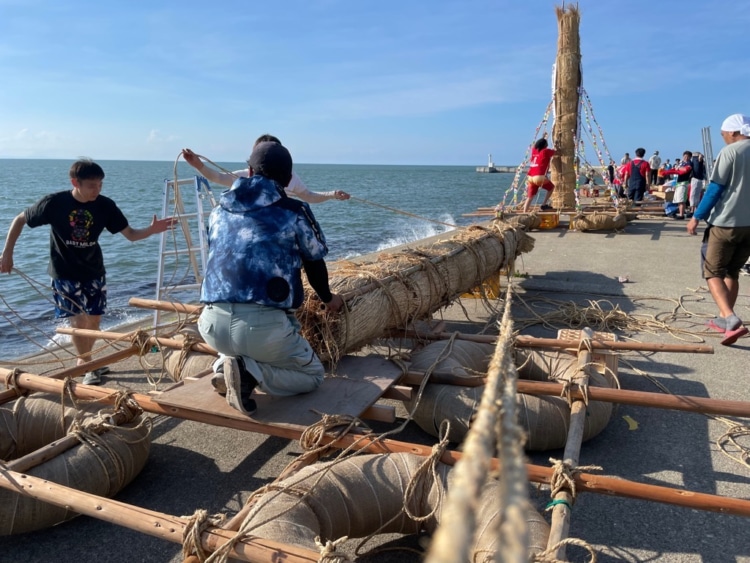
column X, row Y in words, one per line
column 643, row 167
column 540, row 161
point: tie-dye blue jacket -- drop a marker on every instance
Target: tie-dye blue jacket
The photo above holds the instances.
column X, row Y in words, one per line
column 257, row 240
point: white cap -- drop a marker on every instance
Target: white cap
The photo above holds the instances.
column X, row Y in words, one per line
column 737, row 122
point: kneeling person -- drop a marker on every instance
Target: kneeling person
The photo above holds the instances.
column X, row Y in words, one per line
column 259, row 240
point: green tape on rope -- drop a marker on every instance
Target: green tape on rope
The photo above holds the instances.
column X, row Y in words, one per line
column 554, row 503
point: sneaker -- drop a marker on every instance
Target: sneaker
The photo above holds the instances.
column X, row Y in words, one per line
column 745, row 270
column 735, row 330
column 732, row 335
column 546, row 208
column 679, row 217
column 92, row 378
column 104, row 370
column 240, row 384
column 218, row 382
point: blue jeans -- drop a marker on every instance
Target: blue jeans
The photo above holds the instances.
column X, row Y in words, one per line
column 270, row 343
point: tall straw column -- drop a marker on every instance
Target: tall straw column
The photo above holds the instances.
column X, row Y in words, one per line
column 567, row 84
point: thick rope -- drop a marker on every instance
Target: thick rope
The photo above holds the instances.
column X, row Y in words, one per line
column 328, row 551
column 548, row 555
column 453, row 538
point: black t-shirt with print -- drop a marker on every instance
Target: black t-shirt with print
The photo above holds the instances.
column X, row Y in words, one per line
column 75, row 227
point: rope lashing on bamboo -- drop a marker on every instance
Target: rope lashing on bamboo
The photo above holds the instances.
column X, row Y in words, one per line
column 11, row 382
column 563, row 477
column 197, row 523
column 312, row 436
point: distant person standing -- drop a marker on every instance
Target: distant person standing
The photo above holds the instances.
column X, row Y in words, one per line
column 77, row 218
column 697, row 182
column 541, row 156
column 684, row 172
column 625, row 159
column 636, row 175
column 726, row 240
column 654, row 162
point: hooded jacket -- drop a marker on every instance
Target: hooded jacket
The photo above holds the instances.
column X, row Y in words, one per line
column 258, row 239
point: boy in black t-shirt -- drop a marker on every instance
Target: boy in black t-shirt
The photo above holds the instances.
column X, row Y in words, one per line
column 76, row 218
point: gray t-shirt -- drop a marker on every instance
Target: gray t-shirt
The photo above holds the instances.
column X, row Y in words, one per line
column 732, row 170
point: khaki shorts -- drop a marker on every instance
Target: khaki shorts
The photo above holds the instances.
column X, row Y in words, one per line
column 726, row 249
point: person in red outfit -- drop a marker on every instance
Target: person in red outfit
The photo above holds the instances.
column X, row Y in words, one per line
column 637, row 174
column 541, row 155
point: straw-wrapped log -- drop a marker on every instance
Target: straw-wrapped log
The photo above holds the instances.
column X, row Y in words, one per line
column 545, row 419
column 102, row 458
column 368, row 494
column 402, row 287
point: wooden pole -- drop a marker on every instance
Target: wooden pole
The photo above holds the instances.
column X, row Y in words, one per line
column 53, row 449
column 687, row 403
column 533, row 342
column 538, row 474
column 120, row 336
column 157, row 524
column 75, row 371
column 563, row 499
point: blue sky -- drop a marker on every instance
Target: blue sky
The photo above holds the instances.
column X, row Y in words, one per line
column 351, row 81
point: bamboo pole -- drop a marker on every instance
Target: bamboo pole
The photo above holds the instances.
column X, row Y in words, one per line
column 703, row 405
column 538, row 474
column 533, row 342
column 76, row 371
column 152, row 523
column 120, row 336
column 563, row 499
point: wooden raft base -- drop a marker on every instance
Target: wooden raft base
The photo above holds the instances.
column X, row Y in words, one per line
column 359, row 381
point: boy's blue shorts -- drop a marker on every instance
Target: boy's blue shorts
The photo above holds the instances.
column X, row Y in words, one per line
column 75, row 297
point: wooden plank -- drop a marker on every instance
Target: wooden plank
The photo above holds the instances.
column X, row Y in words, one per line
column 355, row 386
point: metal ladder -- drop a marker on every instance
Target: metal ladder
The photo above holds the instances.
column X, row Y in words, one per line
column 183, row 251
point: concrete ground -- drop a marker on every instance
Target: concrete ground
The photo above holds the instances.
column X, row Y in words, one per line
column 194, row 465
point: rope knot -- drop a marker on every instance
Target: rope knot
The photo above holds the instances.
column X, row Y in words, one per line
column 564, row 474
column 328, row 550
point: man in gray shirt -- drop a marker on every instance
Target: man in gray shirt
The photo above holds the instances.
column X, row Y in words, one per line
column 726, row 209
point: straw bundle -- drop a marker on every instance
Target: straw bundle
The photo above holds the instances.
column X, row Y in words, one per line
column 566, row 100
column 599, row 222
column 101, row 464
column 544, row 419
column 366, row 495
column 527, row 222
column 402, row 287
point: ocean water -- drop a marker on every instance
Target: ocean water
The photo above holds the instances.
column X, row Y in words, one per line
column 421, row 198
